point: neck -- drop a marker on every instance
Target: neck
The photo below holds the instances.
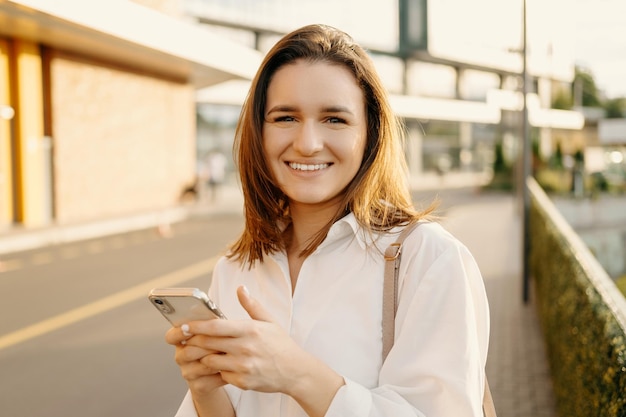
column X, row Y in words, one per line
column 307, row 221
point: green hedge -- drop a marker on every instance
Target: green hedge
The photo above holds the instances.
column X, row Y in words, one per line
column 582, row 316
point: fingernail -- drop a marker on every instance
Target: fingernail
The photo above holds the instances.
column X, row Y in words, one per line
column 185, row 329
column 183, row 342
column 245, row 290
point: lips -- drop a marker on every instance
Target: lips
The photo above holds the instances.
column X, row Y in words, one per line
column 307, row 167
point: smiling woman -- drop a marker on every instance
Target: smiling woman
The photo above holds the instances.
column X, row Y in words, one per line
column 324, row 180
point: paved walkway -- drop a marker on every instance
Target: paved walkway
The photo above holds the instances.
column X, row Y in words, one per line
column 517, row 369
column 488, row 223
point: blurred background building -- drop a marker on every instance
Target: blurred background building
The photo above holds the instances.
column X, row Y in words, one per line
column 452, row 69
column 99, row 106
column 109, row 107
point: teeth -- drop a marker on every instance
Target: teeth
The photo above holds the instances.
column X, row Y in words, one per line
column 304, row 167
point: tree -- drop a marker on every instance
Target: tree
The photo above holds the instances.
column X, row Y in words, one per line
column 556, row 160
column 615, row 108
column 562, row 101
column 499, row 163
column 584, row 87
column 502, row 173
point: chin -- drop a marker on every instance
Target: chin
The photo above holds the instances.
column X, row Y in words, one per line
column 316, row 200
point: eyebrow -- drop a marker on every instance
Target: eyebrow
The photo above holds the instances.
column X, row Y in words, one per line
column 329, row 109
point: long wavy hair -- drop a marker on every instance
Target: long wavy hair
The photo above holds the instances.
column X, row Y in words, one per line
column 378, row 195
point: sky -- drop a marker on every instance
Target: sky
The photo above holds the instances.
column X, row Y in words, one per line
column 591, row 33
column 595, row 30
column 600, row 43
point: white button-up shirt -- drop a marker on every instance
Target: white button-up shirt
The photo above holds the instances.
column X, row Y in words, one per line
column 436, row 366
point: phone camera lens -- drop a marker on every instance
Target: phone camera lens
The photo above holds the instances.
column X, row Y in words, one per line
column 160, row 302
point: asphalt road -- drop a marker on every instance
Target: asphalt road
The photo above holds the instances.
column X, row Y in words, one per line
column 77, row 334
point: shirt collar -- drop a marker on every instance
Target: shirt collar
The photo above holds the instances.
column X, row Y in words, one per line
column 345, row 227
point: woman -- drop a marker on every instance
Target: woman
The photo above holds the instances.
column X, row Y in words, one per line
column 324, row 183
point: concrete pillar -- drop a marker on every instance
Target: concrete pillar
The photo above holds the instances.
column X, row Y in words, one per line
column 465, row 144
column 546, row 147
column 414, row 148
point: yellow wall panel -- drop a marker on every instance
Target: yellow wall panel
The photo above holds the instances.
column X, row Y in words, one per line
column 32, row 185
column 6, row 175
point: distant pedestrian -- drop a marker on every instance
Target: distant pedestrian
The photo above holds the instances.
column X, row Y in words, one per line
column 216, row 172
column 324, row 181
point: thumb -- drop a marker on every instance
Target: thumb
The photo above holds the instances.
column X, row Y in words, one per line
column 252, row 306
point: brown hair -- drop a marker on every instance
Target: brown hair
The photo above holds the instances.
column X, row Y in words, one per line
column 378, row 195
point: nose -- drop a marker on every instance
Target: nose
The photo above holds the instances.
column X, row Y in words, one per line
column 309, row 139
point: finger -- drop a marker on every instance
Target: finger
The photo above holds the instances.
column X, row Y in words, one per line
column 204, row 331
column 195, row 370
column 185, row 354
column 255, row 310
column 206, row 383
column 174, row 336
column 218, row 362
column 208, row 344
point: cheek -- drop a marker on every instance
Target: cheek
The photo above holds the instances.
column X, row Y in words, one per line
column 272, row 150
column 273, row 141
column 266, row 143
column 358, row 150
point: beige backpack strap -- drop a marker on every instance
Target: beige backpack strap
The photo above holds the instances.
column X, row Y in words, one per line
column 390, row 306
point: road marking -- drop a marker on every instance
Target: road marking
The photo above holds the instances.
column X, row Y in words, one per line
column 70, row 252
column 95, row 247
column 10, row 265
column 117, row 242
column 107, row 303
column 42, row 258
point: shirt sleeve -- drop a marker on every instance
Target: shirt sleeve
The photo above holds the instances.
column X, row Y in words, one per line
column 436, row 366
column 187, row 407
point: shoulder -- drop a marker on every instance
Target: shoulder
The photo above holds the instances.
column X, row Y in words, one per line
column 431, row 249
column 427, row 236
column 437, row 265
column 432, row 236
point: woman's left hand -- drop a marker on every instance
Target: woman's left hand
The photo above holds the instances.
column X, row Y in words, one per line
column 254, row 354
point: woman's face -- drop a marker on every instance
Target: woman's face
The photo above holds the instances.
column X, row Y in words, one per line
column 314, row 132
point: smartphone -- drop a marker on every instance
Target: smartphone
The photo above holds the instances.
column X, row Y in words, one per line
column 182, row 305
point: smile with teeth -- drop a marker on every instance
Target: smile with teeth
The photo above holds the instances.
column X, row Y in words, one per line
column 307, row 167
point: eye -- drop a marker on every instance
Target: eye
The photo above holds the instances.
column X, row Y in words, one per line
column 335, row 120
column 284, row 119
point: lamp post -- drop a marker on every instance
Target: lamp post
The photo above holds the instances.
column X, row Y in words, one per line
column 526, row 166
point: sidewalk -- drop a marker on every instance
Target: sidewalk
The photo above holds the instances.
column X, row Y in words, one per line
column 517, row 368
column 20, row 239
column 488, row 223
